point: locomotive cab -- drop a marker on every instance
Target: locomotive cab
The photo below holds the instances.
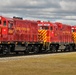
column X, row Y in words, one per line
column 6, row 25
column 4, row 37
column 3, row 27
column 48, row 35
column 46, row 31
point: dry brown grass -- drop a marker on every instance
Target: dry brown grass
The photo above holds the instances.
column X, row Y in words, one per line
column 59, row 64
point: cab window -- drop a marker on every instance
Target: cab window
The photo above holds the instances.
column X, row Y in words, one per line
column 73, row 30
column 51, row 28
column 4, row 23
column 0, row 22
column 44, row 27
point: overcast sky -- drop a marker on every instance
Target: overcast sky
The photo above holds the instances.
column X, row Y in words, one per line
column 49, row 10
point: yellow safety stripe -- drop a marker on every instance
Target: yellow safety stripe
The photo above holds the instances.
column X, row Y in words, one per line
column 42, row 35
column 74, row 36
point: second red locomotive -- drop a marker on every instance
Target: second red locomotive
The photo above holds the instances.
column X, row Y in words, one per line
column 56, row 36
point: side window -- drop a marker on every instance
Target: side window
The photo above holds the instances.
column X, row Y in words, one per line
column 51, row 28
column 10, row 25
column 0, row 22
column 73, row 30
column 4, row 23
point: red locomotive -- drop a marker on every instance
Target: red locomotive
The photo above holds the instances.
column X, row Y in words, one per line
column 14, row 32
column 56, row 36
column 18, row 35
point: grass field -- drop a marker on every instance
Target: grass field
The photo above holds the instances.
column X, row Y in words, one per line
column 57, row 64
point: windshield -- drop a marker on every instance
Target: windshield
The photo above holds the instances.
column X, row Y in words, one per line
column 44, row 27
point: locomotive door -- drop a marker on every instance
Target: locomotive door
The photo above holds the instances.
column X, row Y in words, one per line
column 10, row 27
column 10, row 30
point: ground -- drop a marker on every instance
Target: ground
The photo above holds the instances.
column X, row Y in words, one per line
column 51, row 64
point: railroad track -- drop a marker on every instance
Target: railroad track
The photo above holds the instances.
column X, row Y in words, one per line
column 18, row 56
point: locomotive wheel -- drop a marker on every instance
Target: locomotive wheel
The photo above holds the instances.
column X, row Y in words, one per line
column 66, row 48
column 6, row 50
column 35, row 49
column 26, row 51
column 70, row 48
column 17, row 52
column 53, row 48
